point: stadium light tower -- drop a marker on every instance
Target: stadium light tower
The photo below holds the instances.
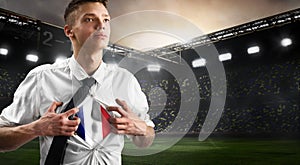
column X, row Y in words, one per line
column 3, row 51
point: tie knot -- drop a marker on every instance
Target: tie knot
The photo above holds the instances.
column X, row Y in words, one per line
column 89, row 82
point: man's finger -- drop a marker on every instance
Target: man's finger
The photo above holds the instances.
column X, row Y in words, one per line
column 70, row 129
column 118, row 120
column 74, row 122
column 123, row 104
column 119, row 110
column 54, row 106
column 120, row 126
column 71, row 112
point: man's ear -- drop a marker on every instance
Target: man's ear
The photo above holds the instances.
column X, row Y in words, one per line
column 68, row 31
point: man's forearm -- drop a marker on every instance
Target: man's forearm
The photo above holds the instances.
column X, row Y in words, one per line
column 146, row 140
column 11, row 138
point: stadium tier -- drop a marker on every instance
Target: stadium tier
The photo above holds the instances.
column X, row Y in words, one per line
column 262, row 90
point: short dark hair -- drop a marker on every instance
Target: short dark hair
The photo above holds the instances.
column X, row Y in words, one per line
column 74, row 4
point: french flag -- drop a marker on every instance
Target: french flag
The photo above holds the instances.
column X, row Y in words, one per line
column 81, row 131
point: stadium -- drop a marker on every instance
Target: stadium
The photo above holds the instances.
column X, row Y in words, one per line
column 258, row 122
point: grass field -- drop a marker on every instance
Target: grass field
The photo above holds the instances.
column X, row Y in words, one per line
column 189, row 151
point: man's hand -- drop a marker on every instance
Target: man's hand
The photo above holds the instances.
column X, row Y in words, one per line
column 129, row 123
column 53, row 124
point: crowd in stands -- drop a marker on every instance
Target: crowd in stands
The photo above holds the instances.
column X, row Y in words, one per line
column 9, row 82
column 260, row 98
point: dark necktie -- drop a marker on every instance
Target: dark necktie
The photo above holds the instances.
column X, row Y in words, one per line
column 57, row 149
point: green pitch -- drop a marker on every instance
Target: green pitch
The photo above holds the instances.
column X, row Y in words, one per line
column 189, row 151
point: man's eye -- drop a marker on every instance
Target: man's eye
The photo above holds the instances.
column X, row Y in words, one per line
column 89, row 20
column 106, row 20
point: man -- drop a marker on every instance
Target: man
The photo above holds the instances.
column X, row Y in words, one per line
column 29, row 116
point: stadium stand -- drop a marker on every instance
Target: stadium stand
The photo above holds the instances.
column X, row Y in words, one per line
column 262, row 91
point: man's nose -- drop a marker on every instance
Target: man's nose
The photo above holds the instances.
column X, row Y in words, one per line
column 100, row 25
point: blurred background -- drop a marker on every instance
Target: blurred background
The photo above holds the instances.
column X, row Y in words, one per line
column 256, row 42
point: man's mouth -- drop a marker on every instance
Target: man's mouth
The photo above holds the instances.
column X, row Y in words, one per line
column 100, row 35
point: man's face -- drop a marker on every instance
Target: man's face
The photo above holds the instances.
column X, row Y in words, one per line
column 91, row 29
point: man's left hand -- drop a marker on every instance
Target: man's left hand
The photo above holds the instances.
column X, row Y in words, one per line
column 129, row 123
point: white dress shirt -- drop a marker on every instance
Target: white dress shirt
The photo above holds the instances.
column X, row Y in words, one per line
column 59, row 82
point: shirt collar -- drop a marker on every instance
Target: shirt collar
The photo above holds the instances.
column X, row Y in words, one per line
column 79, row 73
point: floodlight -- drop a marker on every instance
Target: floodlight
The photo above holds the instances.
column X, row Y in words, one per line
column 60, row 59
column 286, row 42
column 3, row 51
column 199, row 63
column 32, row 57
column 225, row 57
column 153, row 68
column 253, row 50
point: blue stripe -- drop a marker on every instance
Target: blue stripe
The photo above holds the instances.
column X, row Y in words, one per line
column 80, row 131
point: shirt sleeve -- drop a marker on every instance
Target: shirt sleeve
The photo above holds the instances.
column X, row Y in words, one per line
column 126, row 87
column 139, row 102
column 23, row 109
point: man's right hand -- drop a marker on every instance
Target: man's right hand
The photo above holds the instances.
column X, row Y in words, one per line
column 53, row 124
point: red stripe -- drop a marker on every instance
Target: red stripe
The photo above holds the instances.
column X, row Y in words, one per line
column 105, row 122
